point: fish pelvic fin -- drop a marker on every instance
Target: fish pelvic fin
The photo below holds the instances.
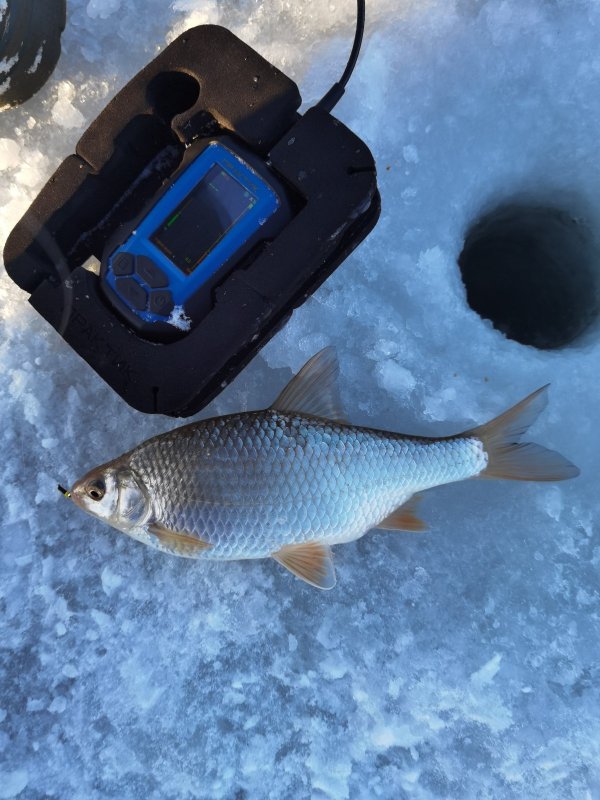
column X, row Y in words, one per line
column 180, row 544
column 405, row 518
column 314, row 390
column 511, row 459
column 310, row 561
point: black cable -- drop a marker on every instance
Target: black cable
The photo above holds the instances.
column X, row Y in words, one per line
column 337, row 90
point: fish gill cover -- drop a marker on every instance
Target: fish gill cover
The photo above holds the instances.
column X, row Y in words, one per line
column 456, row 663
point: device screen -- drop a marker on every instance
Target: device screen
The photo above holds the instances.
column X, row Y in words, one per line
column 201, row 220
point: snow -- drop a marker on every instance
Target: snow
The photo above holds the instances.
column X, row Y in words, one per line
column 102, row 8
column 13, row 783
column 9, row 153
column 6, row 64
column 179, row 319
column 36, row 61
column 64, row 112
column 458, row 663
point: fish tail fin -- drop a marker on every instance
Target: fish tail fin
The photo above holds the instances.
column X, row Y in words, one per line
column 511, row 459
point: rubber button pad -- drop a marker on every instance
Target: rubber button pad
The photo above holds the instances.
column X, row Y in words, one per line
column 123, row 264
column 152, row 275
column 131, row 291
column 161, row 302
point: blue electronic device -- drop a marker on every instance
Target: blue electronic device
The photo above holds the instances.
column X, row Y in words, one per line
column 223, row 203
column 215, row 208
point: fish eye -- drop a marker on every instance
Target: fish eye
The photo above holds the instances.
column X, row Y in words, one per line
column 96, row 490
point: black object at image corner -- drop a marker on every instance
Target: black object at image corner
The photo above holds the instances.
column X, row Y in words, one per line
column 30, row 33
column 205, row 83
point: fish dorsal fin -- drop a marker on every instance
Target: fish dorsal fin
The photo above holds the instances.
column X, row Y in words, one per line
column 314, row 389
column 405, row 518
column 181, row 544
column 310, row 561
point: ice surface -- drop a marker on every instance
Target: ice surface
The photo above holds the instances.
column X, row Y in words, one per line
column 460, row 663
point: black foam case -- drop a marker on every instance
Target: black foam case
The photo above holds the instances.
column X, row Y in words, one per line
column 205, row 83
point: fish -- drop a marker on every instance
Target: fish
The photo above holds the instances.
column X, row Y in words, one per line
column 292, row 480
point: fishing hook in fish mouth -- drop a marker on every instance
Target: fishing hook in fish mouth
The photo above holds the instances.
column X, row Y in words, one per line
column 64, row 491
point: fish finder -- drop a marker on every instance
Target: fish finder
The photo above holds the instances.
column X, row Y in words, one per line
column 214, row 210
column 200, row 208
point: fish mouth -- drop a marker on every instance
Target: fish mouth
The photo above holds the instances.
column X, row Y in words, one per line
column 77, row 495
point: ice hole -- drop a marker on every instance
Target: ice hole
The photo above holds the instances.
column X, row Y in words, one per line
column 533, row 271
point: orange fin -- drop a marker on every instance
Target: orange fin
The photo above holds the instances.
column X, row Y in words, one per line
column 314, row 389
column 181, row 544
column 405, row 518
column 510, row 459
column 310, row 561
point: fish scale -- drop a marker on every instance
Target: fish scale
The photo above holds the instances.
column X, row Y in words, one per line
column 303, row 479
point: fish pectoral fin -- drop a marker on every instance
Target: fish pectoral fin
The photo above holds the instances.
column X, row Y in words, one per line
column 314, row 389
column 180, row 543
column 405, row 518
column 310, row 561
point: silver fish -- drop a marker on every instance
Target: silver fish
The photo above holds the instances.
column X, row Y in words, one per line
column 292, row 480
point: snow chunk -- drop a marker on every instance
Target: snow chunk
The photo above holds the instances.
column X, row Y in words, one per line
column 386, row 736
column 396, row 379
column 102, row 9
column 550, row 500
column 411, row 154
column 206, row 14
column 110, row 580
column 179, row 319
column 13, row 783
column 33, row 169
column 64, row 113
column 9, row 153
column 58, row 705
column 487, row 673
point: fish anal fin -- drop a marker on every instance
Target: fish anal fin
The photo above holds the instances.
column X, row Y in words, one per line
column 179, row 543
column 405, row 518
column 314, row 389
column 310, row 561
